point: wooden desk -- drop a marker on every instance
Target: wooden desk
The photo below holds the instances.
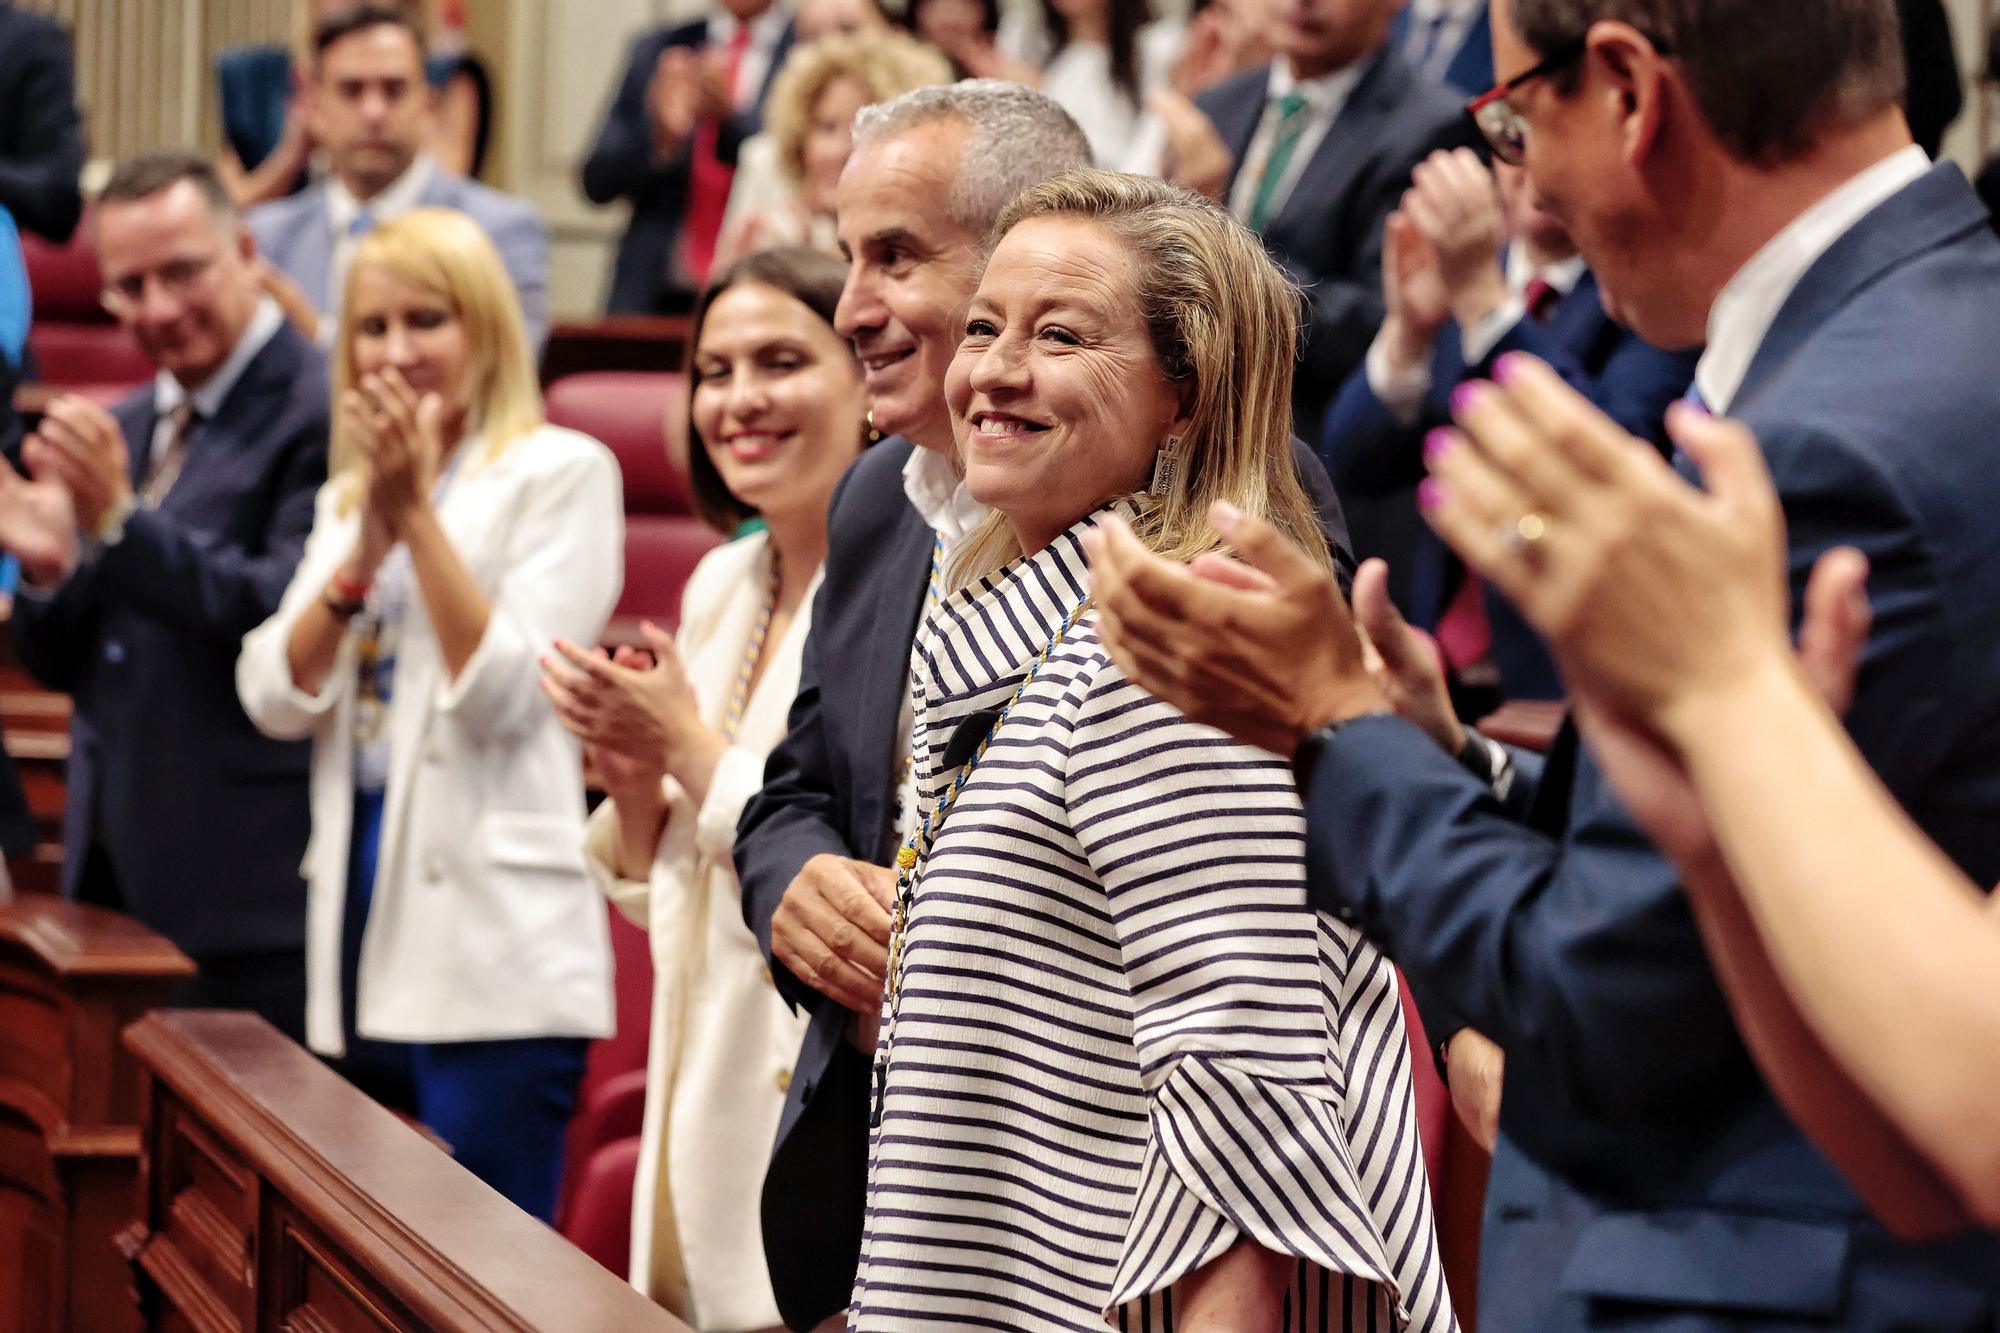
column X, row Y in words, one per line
column 276, row 1196
column 71, row 978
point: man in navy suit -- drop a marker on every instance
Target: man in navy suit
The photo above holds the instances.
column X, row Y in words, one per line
column 372, row 109
column 1766, row 199
column 1312, row 152
column 1447, row 40
column 691, row 95
column 195, row 495
column 1457, row 302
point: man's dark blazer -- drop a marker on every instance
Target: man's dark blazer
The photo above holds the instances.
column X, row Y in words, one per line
column 1376, row 460
column 830, row 786
column 41, row 129
column 1646, row 1177
column 1470, row 70
column 621, row 165
column 1328, row 235
column 202, row 819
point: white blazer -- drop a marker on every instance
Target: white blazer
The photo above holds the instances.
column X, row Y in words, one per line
column 723, row 1041
column 483, row 923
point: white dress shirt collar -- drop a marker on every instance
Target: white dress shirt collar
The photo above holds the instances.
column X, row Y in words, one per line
column 401, row 196
column 1327, row 96
column 1563, row 275
column 168, row 392
column 766, row 31
column 938, row 493
column 1743, row 314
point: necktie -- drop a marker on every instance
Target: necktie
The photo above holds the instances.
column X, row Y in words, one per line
column 1293, row 113
column 1541, row 297
column 708, row 188
column 363, row 223
column 167, row 466
column 1428, row 52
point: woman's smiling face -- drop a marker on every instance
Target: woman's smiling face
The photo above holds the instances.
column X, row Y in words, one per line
column 1057, row 398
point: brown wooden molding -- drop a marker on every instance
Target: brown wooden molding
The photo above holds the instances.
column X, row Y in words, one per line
column 360, row 1222
column 1530, row 724
column 74, row 941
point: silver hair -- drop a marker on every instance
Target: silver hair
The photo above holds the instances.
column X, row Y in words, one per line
column 1015, row 138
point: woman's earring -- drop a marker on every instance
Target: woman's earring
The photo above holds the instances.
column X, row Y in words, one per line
column 874, row 435
column 1165, row 464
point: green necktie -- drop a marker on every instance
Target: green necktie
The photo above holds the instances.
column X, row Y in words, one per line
column 1293, row 112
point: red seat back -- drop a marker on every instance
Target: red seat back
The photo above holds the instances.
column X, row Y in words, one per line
column 600, row 1223
column 74, row 340
column 660, row 554
column 630, row 411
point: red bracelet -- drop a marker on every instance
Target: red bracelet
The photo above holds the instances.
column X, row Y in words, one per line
column 349, row 590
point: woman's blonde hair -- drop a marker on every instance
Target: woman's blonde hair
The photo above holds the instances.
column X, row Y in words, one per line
column 446, row 253
column 1224, row 324
column 887, row 64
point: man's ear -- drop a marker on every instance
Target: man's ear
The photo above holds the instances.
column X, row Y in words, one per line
column 1634, row 76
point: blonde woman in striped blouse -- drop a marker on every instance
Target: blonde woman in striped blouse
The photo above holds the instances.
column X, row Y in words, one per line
column 777, row 415
column 1125, row 1071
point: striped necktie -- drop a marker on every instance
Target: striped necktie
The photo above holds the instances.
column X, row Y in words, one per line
column 167, row 466
column 1427, row 52
column 1293, row 113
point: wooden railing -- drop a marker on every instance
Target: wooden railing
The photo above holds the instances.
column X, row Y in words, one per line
column 71, row 977
column 276, row 1196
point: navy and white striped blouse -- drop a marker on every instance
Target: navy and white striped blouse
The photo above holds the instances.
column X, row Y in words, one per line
column 1123, row 1040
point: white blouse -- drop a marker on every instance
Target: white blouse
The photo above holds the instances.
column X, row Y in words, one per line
column 720, row 1054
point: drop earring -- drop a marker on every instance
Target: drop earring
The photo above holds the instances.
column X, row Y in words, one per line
column 874, row 436
column 1165, row 464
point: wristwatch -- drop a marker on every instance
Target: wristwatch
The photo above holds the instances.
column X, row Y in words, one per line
column 1305, row 755
column 110, row 529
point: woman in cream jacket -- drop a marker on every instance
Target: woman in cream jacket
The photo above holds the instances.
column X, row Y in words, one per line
column 457, row 959
column 777, row 414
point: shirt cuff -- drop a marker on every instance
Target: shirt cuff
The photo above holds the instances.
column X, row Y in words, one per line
column 1479, row 341
column 1402, row 393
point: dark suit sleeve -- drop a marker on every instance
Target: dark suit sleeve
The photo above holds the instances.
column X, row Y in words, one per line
column 211, row 587
column 794, row 817
column 1635, row 386
column 54, row 630
column 1326, row 503
column 1578, row 954
column 1366, row 449
column 39, row 181
column 621, row 163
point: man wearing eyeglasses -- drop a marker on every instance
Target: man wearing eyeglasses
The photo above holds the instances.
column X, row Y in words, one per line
column 193, row 497
column 1754, row 188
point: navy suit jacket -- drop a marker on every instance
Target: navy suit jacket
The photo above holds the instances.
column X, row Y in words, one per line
column 621, row 166
column 830, row 786
column 1328, row 235
column 203, row 819
column 1470, row 70
column 1646, row 1177
column 1376, row 460
column 41, row 129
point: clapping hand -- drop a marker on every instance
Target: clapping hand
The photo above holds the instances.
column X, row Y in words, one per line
column 1414, row 291
column 1196, row 155
column 38, row 524
column 674, row 98
column 79, row 444
column 644, row 712
column 401, row 438
column 1455, row 205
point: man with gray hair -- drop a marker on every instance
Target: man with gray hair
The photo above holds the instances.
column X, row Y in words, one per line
column 930, row 174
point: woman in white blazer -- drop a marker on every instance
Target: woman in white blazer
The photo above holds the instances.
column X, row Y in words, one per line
column 777, row 414
column 457, row 957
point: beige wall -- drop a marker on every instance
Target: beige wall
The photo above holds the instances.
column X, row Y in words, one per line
column 145, row 74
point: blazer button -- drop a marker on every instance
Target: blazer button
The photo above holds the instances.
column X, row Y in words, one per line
column 433, row 755
column 433, row 870
column 114, row 651
column 784, row 1080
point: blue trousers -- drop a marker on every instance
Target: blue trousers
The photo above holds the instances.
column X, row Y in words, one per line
column 503, row 1106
